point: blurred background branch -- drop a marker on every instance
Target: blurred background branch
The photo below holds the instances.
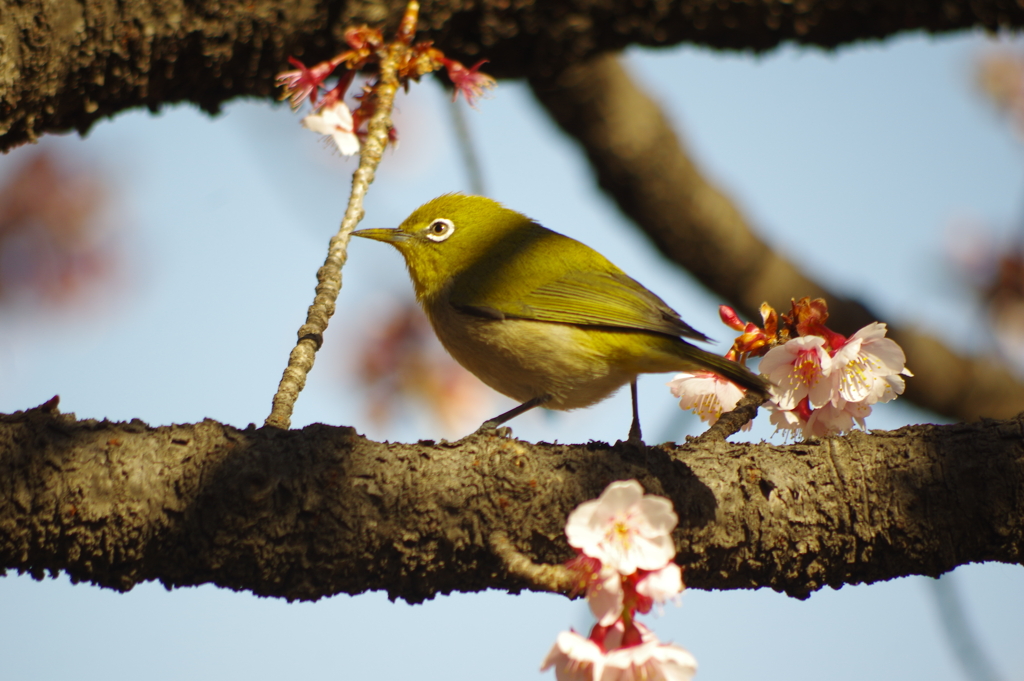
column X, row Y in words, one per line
column 641, row 162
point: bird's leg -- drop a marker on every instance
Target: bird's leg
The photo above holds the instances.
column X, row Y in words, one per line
column 491, row 424
column 634, row 430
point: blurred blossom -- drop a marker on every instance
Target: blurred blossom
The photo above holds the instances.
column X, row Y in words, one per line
column 1000, row 76
column 624, row 528
column 971, row 246
column 994, row 268
column 1004, row 297
column 335, row 122
column 404, row 361
column 53, row 242
column 625, row 559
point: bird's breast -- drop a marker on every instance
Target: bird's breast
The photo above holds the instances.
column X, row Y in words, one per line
column 524, row 359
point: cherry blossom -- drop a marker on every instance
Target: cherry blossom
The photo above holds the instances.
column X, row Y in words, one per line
column 624, row 528
column 625, row 563
column 633, row 652
column 822, row 422
column 335, row 121
column 470, row 83
column 823, row 382
column 862, row 368
column 706, row 393
column 785, row 420
column 575, row 658
column 618, row 653
column 888, row 388
column 649, row 661
column 833, row 420
column 730, row 318
column 304, row 82
column 367, row 48
column 619, row 635
column 610, row 594
column 661, row 585
column 606, row 596
column 799, row 369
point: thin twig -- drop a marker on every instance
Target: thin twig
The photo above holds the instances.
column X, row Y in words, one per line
column 554, row 578
column 470, row 157
column 329, row 275
column 963, row 641
column 731, row 421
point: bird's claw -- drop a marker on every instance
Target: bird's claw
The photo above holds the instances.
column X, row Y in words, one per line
column 634, row 442
column 492, row 430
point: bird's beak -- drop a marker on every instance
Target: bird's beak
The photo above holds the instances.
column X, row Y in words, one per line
column 390, row 236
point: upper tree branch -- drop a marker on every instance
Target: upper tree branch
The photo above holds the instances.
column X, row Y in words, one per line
column 65, row 65
column 643, row 165
column 310, row 513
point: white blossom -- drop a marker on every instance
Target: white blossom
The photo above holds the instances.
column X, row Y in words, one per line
column 575, row 658
column 707, row 394
column 335, row 121
column 799, row 368
column 624, row 528
column 868, row 367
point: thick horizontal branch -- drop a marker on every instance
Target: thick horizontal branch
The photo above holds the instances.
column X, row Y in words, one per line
column 65, row 65
column 640, row 161
column 319, row 511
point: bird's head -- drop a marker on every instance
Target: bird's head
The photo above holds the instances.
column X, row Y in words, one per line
column 448, row 235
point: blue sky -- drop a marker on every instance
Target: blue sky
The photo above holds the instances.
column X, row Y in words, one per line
column 855, row 164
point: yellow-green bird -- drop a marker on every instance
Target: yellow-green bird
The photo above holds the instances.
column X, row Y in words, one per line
column 539, row 316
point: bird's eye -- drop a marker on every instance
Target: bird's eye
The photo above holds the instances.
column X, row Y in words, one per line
column 440, row 229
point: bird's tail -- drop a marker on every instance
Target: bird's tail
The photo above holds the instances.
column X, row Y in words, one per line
column 734, row 371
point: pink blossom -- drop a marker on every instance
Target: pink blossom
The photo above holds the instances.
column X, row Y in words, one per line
column 786, row 420
column 649, row 661
column 661, row 585
column 335, row 121
column 888, row 388
column 634, row 653
column 618, row 653
column 606, row 596
column 624, row 528
column 575, row 658
column 707, row 394
column 730, row 318
column 822, row 422
column 304, row 82
column 867, row 367
column 469, row 82
column 799, row 369
column 833, row 420
column 619, row 636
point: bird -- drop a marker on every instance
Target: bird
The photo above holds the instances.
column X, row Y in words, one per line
column 538, row 316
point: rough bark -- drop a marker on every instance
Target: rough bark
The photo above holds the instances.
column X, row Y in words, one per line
column 305, row 514
column 320, row 511
column 64, row 64
column 641, row 162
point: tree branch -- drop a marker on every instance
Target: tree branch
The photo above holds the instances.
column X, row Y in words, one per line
column 320, row 511
column 66, row 65
column 311, row 333
column 643, row 165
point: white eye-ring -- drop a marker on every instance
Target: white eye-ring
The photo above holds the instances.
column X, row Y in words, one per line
column 440, row 229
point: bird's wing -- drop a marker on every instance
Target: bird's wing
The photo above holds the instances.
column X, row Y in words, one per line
column 592, row 298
